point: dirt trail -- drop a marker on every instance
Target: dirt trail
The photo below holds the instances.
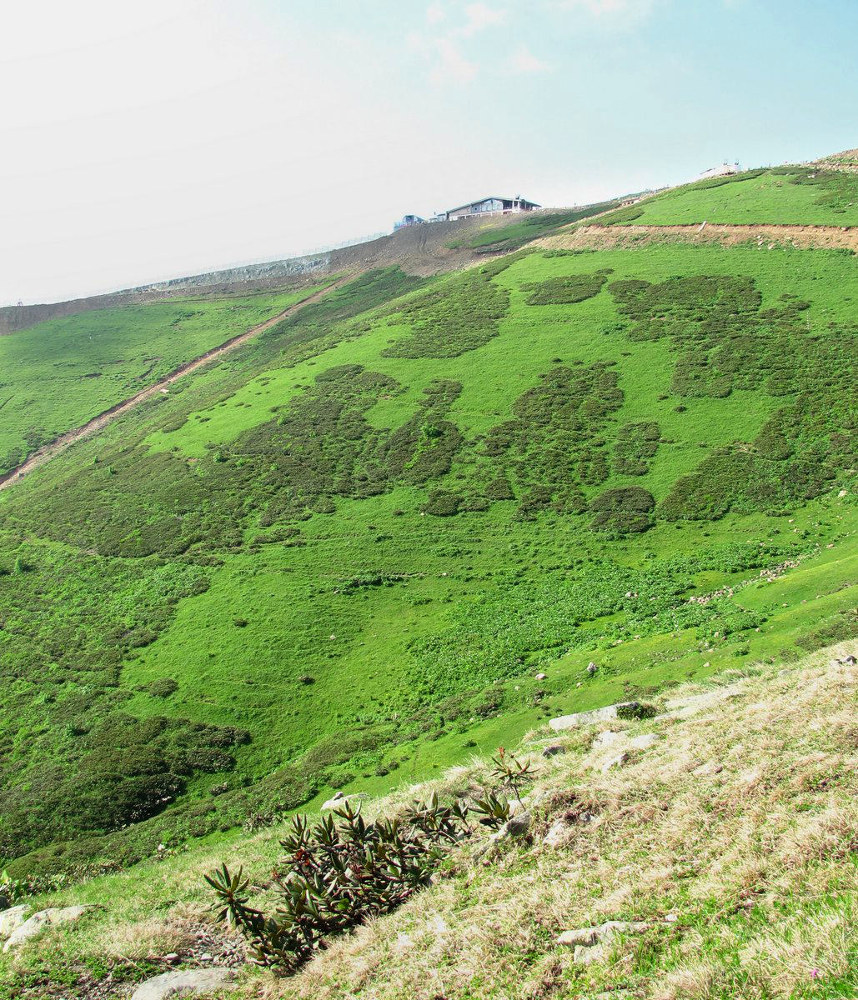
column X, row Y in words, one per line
column 819, row 237
column 58, row 445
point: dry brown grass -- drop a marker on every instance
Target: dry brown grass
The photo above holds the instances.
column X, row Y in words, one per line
column 741, row 820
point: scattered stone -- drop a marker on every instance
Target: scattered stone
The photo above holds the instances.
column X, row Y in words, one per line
column 617, row 761
column 606, row 739
column 170, row 984
column 11, row 919
column 553, row 750
column 644, row 741
column 206, row 957
column 339, row 800
column 556, row 834
column 586, row 936
column 834, row 663
column 592, row 668
column 671, row 918
column 592, row 943
column 850, row 660
column 541, row 677
column 622, row 710
column 44, row 918
column 515, row 826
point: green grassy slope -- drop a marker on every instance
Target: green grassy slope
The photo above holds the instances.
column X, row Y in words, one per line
column 340, row 558
column 61, row 373
column 728, row 828
column 802, row 196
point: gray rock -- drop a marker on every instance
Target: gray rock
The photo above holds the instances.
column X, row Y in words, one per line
column 339, row 800
column 586, row 936
column 597, row 715
column 584, row 954
column 541, row 677
column 515, row 826
column 553, row 750
column 618, row 761
column 850, row 660
column 43, row 919
column 556, row 834
column 170, row 984
column 644, row 741
column 607, row 739
column 592, row 668
column 11, row 919
column 592, row 943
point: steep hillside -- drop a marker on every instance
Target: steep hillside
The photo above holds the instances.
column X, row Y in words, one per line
column 707, row 852
column 63, row 372
column 419, row 250
column 395, row 526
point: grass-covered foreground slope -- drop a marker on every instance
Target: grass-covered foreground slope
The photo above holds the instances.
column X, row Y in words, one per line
column 60, row 373
column 803, row 196
column 340, row 558
column 723, row 828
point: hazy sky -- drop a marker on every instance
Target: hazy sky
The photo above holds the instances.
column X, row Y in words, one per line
column 166, row 137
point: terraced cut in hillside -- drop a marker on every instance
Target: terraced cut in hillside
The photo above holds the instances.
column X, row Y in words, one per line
column 393, row 527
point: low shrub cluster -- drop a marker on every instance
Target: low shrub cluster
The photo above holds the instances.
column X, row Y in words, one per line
column 554, row 443
column 343, row 870
column 634, row 445
column 566, row 290
column 623, row 511
column 458, row 315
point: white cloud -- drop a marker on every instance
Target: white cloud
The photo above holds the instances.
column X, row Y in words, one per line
column 524, row 61
column 452, row 66
column 479, row 16
column 435, row 14
column 632, row 9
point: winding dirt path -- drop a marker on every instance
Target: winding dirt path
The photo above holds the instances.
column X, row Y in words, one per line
column 58, row 445
column 815, row 237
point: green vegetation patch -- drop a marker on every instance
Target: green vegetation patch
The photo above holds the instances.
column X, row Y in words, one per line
column 363, row 558
column 575, row 288
column 61, row 373
column 455, row 317
column 789, row 195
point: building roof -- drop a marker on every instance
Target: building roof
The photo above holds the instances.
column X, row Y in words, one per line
column 492, row 197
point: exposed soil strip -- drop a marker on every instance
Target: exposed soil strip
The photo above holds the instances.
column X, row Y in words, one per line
column 817, row 237
column 58, row 445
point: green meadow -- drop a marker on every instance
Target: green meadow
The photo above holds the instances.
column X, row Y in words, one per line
column 339, row 559
column 803, row 196
column 61, row 373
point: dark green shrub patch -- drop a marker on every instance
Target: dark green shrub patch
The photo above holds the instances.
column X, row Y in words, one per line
column 634, row 445
column 163, row 687
column 443, row 504
column 553, row 443
column 121, row 772
column 452, row 318
column 566, row 290
column 623, row 511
